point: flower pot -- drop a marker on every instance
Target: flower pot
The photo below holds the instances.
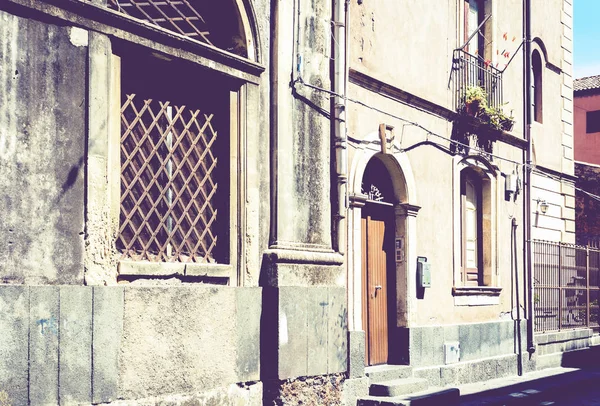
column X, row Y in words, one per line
column 507, row 124
column 472, row 108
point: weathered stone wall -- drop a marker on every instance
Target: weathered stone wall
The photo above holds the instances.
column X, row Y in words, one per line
column 42, row 138
column 301, row 132
column 309, row 391
column 476, row 341
column 86, row 345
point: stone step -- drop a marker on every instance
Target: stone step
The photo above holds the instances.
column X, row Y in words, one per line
column 379, row 401
column 398, row 387
column 382, row 373
column 435, row 397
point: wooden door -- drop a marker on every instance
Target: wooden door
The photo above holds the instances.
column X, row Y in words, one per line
column 375, row 259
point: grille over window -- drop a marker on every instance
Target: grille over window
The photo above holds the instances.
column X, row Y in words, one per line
column 174, row 180
column 214, row 23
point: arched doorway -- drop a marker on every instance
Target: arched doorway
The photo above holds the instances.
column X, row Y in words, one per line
column 378, row 262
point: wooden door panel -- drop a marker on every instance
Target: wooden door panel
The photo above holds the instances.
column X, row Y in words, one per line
column 376, row 291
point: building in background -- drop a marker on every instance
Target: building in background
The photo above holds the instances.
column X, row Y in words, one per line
column 587, row 158
column 267, row 202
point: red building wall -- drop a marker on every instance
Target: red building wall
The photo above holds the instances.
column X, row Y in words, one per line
column 587, row 146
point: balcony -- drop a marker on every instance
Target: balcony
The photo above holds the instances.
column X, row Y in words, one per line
column 471, row 71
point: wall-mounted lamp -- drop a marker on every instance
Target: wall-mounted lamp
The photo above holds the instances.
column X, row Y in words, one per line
column 543, row 205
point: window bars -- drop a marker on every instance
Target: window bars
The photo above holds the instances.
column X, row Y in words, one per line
column 169, row 183
column 176, row 15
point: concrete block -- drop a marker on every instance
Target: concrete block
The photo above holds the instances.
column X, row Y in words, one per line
column 107, row 312
column 490, row 339
column 354, row 388
column 75, row 346
column 470, row 341
column 416, row 340
column 432, row 342
column 448, row 375
column 337, row 331
column 293, row 332
column 506, row 337
column 541, row 339
column 44, row 324
column 177, row 339
column 356, row 345
column 383, row 373
column 248, row 311
column 432, row 375
column 14, row 325
column 549, row 361
column 506, row 366
column 485, row 370
column 398, row 387
column 464, row 373
column 318, row 307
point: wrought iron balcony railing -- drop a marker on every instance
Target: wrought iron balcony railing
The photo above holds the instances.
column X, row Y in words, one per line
column 469, row 71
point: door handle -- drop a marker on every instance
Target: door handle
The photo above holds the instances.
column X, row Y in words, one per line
column 377, row 287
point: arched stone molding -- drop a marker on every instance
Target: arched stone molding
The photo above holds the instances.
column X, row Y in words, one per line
column 401, row 174
column 247, row 20
column 538, row 44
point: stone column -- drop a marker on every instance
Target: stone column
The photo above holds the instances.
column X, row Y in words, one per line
column 304, row 318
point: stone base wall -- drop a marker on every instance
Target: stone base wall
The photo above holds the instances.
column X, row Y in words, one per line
column 308, row 391
column 83, row 345
column 563, row 341
column 473, row 371
column 424, row 346
column 232, row 395
column 563, row 348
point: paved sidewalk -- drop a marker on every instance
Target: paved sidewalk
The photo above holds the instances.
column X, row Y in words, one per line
column 545, row 387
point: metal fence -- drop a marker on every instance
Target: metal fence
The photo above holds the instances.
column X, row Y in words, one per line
column 566, row 286
column 470, row 71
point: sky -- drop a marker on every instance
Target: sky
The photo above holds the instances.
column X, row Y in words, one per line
column 586, row 38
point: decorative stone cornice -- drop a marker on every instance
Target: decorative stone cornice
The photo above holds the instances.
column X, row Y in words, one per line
column 407, row 209
column 358, row 200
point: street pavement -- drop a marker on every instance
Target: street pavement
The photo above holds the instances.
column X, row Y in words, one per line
column 555, row 386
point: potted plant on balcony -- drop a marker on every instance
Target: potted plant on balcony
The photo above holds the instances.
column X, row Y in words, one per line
column 476, row 105
column 475, row 101
column 506, row 122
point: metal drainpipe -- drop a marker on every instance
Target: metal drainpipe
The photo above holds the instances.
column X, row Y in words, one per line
column 527, row 107
column 339, row 125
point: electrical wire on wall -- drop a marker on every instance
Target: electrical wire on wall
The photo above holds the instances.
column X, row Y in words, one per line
column 532, row 167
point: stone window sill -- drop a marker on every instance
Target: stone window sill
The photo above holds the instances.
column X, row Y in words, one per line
column 144, row 268
column 476, row 296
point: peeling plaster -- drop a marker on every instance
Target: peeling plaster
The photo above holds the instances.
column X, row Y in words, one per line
column 78, row 37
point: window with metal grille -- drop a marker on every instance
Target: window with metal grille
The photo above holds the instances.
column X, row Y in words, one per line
column 214, row 23
column 174, row 162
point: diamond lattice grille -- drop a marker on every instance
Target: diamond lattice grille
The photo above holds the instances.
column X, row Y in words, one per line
column 175, row 15
column 168, row 182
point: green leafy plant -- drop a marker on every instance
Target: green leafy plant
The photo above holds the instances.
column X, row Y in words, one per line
column 476, row 105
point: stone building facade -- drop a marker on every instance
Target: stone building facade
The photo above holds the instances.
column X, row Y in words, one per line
column 228, row 202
